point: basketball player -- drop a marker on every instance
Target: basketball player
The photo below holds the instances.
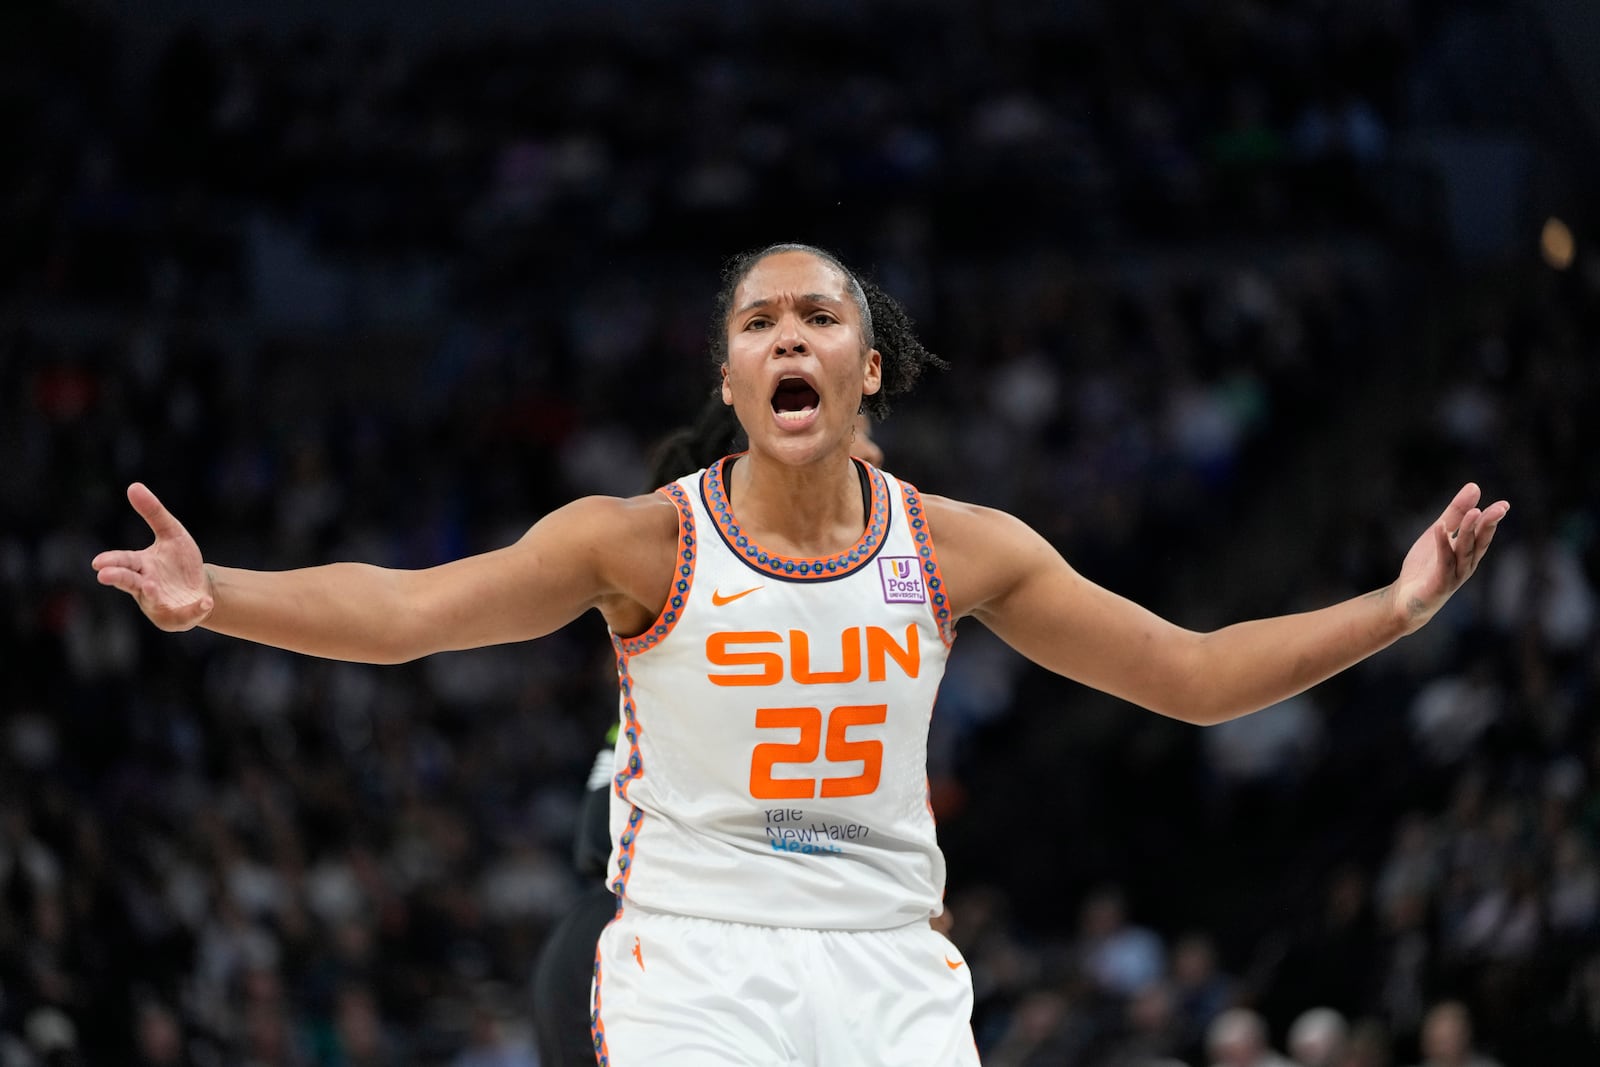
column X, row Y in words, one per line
column 780, row 622
column 563, row 975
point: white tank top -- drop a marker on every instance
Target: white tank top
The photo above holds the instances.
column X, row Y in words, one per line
column 772, row 764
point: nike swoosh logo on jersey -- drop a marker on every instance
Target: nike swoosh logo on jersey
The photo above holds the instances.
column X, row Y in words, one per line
column 954, row 965
column 718, row 599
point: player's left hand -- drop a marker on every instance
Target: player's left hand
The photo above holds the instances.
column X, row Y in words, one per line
column 1446, row 555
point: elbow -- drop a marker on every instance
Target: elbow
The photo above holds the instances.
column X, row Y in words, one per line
column 1214, row 715
column 386, row 649
column 404, row 629
column 1199, row 711
column 405, row 641
column 1196, row 712
column 1206, row 703
column 393, row 656
column 1193, row 692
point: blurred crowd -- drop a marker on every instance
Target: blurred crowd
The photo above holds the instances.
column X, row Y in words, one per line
column 376, row 297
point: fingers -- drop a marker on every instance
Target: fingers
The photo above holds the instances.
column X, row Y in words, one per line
column 145, row 591
column 1471, row 538
column 119, row 577
column 116, row 558
column 1465, row 499
column 157, row 517
column 1444, row 540
column 1464, row 540
column 1488, row 523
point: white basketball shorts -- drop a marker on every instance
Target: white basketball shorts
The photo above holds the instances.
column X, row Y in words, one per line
column 674, row 991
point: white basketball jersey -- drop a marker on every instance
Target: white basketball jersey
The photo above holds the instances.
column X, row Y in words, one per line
column 772, row 766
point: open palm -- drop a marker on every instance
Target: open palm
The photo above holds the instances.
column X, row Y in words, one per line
column 1446, row 554
column 168, row 579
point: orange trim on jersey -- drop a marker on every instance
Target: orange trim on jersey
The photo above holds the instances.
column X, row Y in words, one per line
column 938, row 595
column 631, row 729
column 597, row 1026
column 682, row 578
column 745, row 549
column 627, row 647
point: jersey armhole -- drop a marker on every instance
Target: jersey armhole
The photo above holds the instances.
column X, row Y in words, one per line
column 938, row 596
column 682, row 579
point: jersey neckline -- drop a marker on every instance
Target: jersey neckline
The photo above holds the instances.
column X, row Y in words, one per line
column 713, row 493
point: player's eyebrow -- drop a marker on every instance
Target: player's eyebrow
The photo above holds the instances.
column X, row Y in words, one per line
column 805, row 298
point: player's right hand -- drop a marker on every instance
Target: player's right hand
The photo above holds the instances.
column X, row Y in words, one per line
column 169, row 578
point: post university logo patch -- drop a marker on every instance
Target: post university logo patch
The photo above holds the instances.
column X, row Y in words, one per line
column 902, row 580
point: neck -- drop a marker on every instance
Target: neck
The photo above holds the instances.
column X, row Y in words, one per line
column 809, row 510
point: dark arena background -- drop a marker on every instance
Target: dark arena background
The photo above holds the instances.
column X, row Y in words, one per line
column 1235, row 295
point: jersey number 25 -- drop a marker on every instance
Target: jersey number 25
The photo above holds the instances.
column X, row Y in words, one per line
column 835, row 746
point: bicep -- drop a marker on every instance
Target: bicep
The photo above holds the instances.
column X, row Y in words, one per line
column 550, row 576
column 1067, row 624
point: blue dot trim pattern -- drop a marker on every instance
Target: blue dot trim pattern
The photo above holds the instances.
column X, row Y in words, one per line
column 785, row 567
column 682, row 581
column 938, row 595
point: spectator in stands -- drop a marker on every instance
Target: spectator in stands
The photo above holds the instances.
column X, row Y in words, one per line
column 1238, row 1038
column 1447, row 1038
column 1317, row 1038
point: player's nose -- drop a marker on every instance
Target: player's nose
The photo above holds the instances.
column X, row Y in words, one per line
column 788, row 340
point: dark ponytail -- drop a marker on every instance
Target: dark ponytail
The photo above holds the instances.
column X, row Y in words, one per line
column 904, row 358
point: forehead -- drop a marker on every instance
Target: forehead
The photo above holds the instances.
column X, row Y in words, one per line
column 789, row 274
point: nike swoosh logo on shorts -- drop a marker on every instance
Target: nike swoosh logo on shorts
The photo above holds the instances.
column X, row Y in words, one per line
column 718, row 599
column 954, row 965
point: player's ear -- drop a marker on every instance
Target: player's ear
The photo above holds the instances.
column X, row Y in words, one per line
column 872, row 373
column 727, row 389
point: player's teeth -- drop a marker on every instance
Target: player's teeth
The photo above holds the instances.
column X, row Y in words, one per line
column 795, row 416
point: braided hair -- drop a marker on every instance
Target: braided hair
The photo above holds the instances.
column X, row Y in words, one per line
column 884, row 323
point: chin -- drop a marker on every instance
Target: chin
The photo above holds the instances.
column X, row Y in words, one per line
column 801, row 450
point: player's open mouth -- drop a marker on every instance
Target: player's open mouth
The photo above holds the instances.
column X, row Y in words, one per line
column 795, row 400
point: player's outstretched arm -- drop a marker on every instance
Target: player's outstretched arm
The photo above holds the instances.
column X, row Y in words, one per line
column 1008, row 577
column 354, row 611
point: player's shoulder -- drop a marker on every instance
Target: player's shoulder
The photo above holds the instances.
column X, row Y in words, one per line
column 630, row 545
column 949, row 519
column 982, row 550
column 648, row 514
column 636, row 523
